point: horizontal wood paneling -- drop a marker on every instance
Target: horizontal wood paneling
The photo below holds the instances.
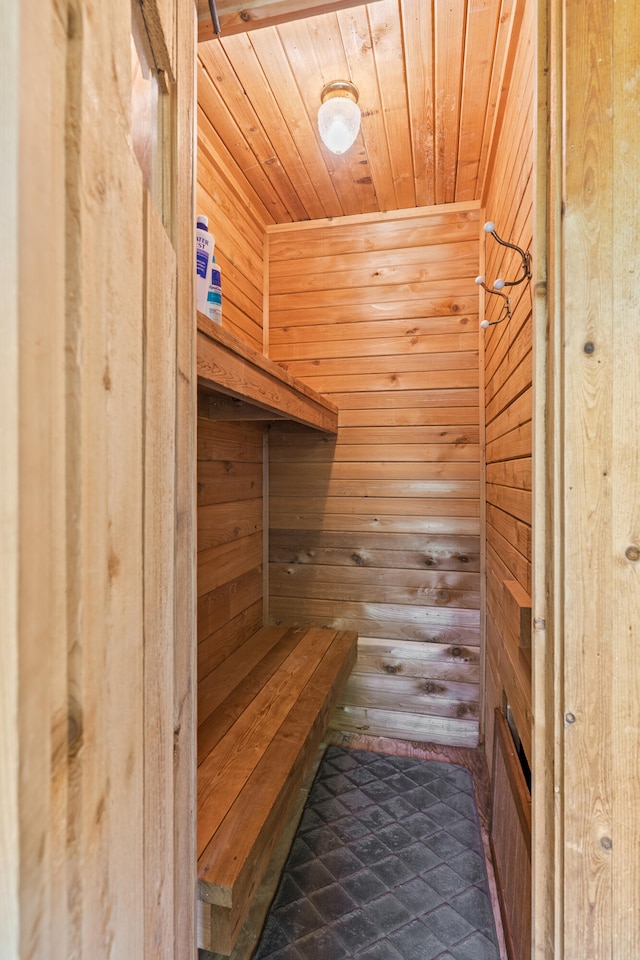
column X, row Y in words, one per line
column 508, row 390
column 378, row 529
column 237, row 217
column 230, row 544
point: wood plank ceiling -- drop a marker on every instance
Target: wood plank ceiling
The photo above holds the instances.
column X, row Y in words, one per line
column 429, row 73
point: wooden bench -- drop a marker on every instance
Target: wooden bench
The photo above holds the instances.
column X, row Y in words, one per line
column 264, row 712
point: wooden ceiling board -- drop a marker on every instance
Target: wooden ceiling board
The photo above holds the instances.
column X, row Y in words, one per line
column 481, row 36
column 325, row 60
column 432, row 77
column 240, row 16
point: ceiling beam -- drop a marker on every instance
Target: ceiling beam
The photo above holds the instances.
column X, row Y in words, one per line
column 236, row 16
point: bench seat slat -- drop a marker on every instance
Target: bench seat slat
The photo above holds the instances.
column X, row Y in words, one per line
column 250, row 670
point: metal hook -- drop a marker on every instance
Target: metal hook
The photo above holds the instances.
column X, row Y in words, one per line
column 499, row 284
column 490, row 228
column 506, row 310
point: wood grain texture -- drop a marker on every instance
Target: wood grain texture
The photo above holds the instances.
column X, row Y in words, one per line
column 158, row 589
column 269, row 708
column 9, row 501
column 96, row 409
column 372, row 530
column 184, row 649
column 228, row 366
column 508, row 378
column 510, row 834
column 431, row 81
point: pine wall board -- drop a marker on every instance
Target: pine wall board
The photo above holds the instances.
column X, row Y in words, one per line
column 378, row 529
column 237, row 220
column 102, row 737
column 230, row 546
column 508, row 373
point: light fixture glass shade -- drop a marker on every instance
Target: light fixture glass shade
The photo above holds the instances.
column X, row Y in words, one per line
column 339, row 116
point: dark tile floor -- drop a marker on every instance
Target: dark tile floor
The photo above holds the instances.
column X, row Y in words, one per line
column 387, row 864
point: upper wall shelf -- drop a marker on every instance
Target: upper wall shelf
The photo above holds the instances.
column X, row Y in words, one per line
column 260, row 389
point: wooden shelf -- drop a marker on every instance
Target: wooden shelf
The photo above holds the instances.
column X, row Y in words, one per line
column 260, row 389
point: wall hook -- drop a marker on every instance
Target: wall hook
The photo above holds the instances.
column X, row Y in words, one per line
column 500, row 284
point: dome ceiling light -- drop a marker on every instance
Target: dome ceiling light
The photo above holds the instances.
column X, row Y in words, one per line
column 339, row 115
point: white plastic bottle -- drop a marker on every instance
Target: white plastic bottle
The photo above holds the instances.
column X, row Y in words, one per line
column 205, row 244
column 214, row 294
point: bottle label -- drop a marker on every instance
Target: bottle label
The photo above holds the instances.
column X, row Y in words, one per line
column 214, row 296
column 202, row 262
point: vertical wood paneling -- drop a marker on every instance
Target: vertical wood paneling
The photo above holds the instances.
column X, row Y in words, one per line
column 510, row 836
column 95, row 411
column 158, row 587
column 600, row 486
column 431, row 78
column 508, row 379
column 184, row 648
column 379, row 530
column 625, row 465
column 9, row 504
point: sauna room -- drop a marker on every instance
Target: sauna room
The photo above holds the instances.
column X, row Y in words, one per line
column 364, row 435
column 319, row 605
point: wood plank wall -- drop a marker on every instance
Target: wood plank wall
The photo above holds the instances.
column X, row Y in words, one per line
column 379, row 530
column 102, row 739
column 237, row 219
column 230, row 545
column 587, row 543
column 230, row 454
column 508, row 385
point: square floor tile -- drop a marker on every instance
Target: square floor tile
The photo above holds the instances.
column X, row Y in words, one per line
column 350, row 828
column 356, row 931
column 341, row 862
column 393, row 871
column 364, row 886
column 375, row 817
column 287, row 891
column 447, row 924
column 333, row 902
column 395, row 836
column 323, row 944
column 328, row 811
column 388, row 913
column 298, row 919
column 469, row 865
column 421, row 825
column 444, row 845
column 416, row 942
column 381, row 950
column 360, row 776
column 444, row 813
column 446, row 881
column 369, row 849
column 321, row 840
column 418, row 896
column 475, row 905
column 419, row 857
column 476, row 947
column 311, row 876
column 355, row 800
